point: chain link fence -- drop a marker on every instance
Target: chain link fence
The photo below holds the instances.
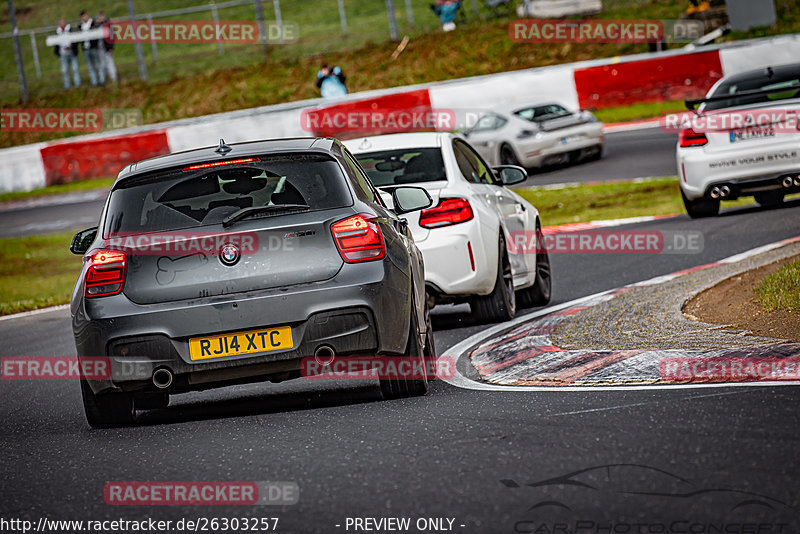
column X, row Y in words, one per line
column 323, row 26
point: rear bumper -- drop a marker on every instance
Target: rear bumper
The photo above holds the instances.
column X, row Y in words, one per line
column 541, row 151
column 363, row 309
column 447, row 261
column 758, row 166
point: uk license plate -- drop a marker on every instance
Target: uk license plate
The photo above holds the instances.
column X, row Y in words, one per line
column 238, row 343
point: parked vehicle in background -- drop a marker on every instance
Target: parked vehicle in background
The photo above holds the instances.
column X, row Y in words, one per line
column 537, row 134
column 468, row 237
column 749, row 143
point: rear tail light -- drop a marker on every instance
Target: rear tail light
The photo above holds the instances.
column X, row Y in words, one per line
column 106, row 274
column 688, row 137
column 449, row 211
column 358, row 239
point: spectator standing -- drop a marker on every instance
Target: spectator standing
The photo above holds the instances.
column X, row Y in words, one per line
column 68, row 56
column 330, row 81
column 446, row 10
column 91, row 52
column 106, row 48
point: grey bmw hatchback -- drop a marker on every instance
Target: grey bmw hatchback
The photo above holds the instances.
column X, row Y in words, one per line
column 231, row 264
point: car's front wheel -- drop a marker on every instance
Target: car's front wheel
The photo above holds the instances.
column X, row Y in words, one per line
column 702, row 207
column 499, row 305
column 507, row 156
column 107, row 410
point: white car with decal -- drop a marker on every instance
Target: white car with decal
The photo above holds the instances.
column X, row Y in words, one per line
column 479, row 238
column 744, row 141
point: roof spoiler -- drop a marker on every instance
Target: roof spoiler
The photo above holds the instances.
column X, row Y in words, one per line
column 692, row 104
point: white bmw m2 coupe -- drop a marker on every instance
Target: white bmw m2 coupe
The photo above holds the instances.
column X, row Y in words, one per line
column 470, row 238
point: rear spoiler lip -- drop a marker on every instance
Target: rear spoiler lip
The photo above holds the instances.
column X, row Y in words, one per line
column 691, row 104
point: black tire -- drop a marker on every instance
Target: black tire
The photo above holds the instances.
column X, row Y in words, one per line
column 702, row 207
column 539, row 293
column 108, row 410
column 769, row 199
column 399, row 387
column 597, row 156
column 501, row 304
column 507, row 156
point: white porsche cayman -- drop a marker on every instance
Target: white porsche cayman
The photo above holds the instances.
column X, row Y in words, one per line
column 469, row 238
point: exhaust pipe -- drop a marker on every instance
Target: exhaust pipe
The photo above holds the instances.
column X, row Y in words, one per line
column 162, row 378
column 324, row 354
column 787, row 181
column 724, row 191
column 797, row 180
column 715, row 192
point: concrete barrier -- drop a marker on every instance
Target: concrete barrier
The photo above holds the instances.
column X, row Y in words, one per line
column 670, row 75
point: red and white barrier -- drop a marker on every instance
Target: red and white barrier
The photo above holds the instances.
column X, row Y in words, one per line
column 671, row 75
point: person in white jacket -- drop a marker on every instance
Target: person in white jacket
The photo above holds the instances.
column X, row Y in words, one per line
column 68, row 57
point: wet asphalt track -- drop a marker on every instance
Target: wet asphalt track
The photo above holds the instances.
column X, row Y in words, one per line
column 444, row 455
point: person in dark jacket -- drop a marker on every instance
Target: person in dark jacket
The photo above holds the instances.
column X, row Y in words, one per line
column 330, row 81
column 91, row 52
column 106, row 48
column 68, row 56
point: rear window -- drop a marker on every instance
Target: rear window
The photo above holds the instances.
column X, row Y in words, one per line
column 407, row 166
column 541, row 113
column 760, row 83
column 179, row 199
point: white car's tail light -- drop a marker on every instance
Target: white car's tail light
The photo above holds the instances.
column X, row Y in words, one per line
column 688, row 138
column 106, row 274
column 358, row 239
column 449, row 211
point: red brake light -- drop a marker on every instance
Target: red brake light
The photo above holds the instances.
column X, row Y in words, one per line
column 688, row 137
column 448, row 211
column 358, row 239
column 220, row 163
column 106, row 273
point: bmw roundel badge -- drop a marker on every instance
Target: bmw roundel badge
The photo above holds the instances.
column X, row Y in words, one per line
column 229, row 254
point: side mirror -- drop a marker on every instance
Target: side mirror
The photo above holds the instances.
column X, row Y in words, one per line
column 510, row 174
column 83, row 240
column 408, row 199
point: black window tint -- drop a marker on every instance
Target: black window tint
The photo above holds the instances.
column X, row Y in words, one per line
column 406, row 166
column 760, row 83
column 174, row 199
column 362, row 182
column 464, row 164
column 489, row 122
column 480, row 173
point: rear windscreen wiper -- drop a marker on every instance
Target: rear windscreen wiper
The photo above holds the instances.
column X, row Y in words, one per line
column 255, row 210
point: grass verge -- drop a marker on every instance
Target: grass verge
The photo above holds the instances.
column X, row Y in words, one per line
column 41, row 276
column 647, row 110
column 46, row 273
column 582, row 203
column 72, row 187
column 781, row 290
